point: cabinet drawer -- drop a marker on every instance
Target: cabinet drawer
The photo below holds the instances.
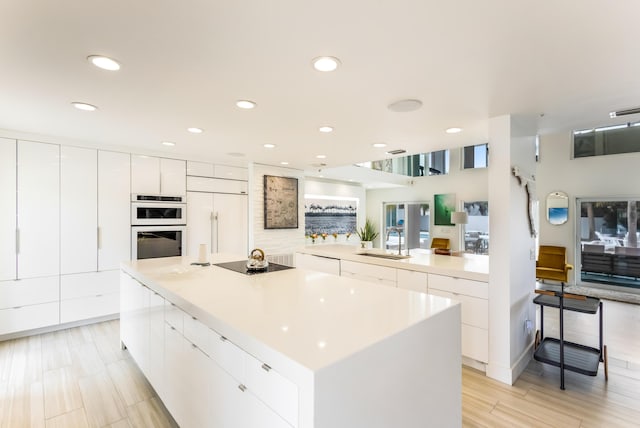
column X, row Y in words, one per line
column 373, row 271
column 475, row 311
column 197, row 333
column 475, row 343
column 88, row 284
column 29, row 317
column 276, row 391
column 459, row 285
column 227, row 355
column 215, row 185
column 28, row 292
column 231, row 172
column 174, row 316
column 82, row 308
column 412, row 280
column 318, row 263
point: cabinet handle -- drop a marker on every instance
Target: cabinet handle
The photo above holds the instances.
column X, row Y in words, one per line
column 16, row 307
column 194, row 318
column 17, row 241
column 172, row 327
column 194, row 346
column 224, row 339
column 242, row 388
column 98, row 238
column 266, row 367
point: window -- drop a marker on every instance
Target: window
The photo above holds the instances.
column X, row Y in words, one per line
column 607, row 140
column 475, row 156
column 433, row 163
column 476, row 231
column 608, row 249
column 406, row 224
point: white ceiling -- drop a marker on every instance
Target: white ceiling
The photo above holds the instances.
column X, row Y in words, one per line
column 185, row 63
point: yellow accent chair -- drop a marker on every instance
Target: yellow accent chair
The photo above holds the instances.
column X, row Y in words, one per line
column 552, row 264
column 441, row 243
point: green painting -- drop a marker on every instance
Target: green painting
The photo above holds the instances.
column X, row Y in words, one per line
column 444, row 205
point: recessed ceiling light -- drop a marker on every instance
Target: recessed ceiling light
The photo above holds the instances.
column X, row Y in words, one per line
column 325, row 63
column 404, row 106
column 245, row 104
column 168, row 143
column 84, row 106
column 195, row 130
column 325, row 129
column 104, row 62
column 453, row 130
column 269, row 146
column 321, row 156
column 379, row 145
column 284, row 163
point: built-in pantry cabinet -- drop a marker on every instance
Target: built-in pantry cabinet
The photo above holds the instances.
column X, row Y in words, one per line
column 202, row 378
column 8, row 243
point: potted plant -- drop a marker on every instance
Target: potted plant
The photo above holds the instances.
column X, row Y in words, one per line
column 367, row 234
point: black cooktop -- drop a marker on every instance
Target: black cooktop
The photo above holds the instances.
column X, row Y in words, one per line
column 241, row 267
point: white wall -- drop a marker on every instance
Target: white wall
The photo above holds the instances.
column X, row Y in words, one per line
column 468, row 185
column 273, row 241
column 598, row 176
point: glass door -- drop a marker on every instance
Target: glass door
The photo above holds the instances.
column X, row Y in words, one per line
column 406, row 224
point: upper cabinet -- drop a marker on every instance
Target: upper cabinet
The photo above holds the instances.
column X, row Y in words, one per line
column 38, row 184
column 8, row 212
column 205, row 169
column 78, row 209
column 157, row 176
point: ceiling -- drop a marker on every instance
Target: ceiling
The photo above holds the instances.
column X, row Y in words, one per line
column 185, row 63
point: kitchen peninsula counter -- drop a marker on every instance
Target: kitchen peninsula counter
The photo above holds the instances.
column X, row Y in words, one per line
column 357, row 354
column 468, row 266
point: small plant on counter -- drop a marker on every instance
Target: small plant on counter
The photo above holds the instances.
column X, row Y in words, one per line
column 368, row 232
column 348, row 235
column 324, row 235
column 313, row 237
column 335, row 236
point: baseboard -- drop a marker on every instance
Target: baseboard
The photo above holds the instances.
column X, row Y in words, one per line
column 509, row 375
column 475, row 364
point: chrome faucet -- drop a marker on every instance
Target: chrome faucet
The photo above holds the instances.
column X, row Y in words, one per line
column 398, row 230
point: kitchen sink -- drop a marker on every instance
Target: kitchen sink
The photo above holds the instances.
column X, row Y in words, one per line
column 385, row 256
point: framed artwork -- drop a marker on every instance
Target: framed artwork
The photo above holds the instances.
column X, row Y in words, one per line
column 444, row 205
column 280, row 202
column 330, row 215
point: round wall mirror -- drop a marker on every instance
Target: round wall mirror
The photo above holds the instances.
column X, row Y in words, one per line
column 557, row 208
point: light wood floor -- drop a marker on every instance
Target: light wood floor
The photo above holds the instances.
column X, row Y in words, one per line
column 80, row 378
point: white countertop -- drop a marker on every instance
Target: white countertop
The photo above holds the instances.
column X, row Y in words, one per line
column 310, row 318
column 469, row 266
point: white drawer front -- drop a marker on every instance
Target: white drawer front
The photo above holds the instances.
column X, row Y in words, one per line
column 231, row 172
column 29, row 317
column 88, row 284
column 228, row 356
column 475, row 311
column 276, row 391
column 28, row 292
column 412, row 280
column 174, row 316
column 459, row 285
column 317, row 263
column 201, row 169
column 83, row 308
column 215, row 185
column 475, row 343
column 197, row 333
column 365, row 269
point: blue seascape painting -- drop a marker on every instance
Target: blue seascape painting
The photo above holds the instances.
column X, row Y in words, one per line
column 558, row 215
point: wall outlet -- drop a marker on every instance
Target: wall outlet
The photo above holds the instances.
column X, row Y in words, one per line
column 528, row 326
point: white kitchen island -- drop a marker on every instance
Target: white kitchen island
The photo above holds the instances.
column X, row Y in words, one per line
column 293, row 348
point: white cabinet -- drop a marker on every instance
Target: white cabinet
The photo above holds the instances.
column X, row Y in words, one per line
column 173, row 176
column 32, row 291
column 176, row 392
column 218, row 220
column 473, row 297
column 199, row 169
column 156, row 342
column 114, row 205
column 157, row 176
column 318, row 263
column 134, row 320
column 412, row 280
column 205, row 169
column 28, row 317
column 89, row 295
column 368, row 272
column 8, row 212
column 78, row 210
column 216, row 185
column 38, row 184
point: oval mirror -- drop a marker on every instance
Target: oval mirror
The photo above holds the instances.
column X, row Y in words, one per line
column 557, row 208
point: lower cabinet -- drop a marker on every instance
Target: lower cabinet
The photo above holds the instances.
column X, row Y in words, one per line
column 412, row 280
column 27, row 304
column 203, row 378
column 368, row 272
column 318, row 263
